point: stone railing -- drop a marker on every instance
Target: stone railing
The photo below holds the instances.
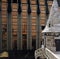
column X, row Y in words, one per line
column 40, row 53
column 50, row 54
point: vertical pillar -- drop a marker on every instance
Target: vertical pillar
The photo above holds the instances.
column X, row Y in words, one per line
column 19, row 41
column 29, row 35
column 38, row 32
column 9, row 33
column 0, row 28
column 30, row 32
column 27, row 30
column 38, row 28
column 9, row 28
column 47, row 10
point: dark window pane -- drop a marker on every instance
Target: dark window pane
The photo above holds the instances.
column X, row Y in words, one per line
column 42, row 27
column 19, row 9
column 14, row 1
column 29, row 9
column 9, row 9
column 8, row 1
column 24, row 36
column 19, row 1
column 38, row 10
column 28, row 2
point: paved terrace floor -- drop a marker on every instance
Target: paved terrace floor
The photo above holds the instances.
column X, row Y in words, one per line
column 57, row 54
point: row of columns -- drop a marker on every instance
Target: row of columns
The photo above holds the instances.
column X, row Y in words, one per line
column 19, row 38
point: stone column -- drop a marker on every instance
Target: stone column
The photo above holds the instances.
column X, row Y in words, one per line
column 0, row 28
column 29, row 35
column 29, row 39
column 38, row 32
column 9, row 29
column 30, row 32
column 19, row 41
column 38, row 27
column 9, row 33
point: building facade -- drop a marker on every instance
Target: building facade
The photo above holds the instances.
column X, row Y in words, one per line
column 21, row 23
